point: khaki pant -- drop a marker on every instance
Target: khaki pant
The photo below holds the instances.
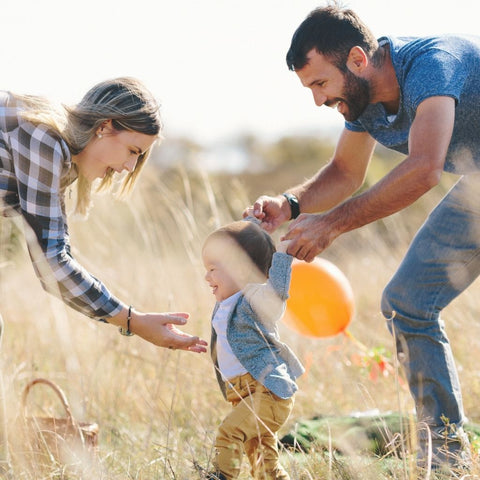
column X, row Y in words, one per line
column 251, row 427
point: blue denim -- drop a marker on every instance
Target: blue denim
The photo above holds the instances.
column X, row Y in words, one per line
column 442, row 261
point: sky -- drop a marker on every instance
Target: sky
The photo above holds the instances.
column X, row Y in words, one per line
column 217, row 66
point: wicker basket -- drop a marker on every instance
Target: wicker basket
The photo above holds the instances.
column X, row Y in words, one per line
column 58, row 440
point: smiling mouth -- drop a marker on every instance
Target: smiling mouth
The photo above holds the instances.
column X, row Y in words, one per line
column 338, row 104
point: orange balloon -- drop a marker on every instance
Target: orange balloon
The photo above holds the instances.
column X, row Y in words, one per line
column 320, row 302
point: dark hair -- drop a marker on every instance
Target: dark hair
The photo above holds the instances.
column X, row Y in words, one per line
column 333, row 32
column 253, row 240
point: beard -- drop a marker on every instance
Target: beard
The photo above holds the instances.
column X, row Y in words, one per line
column 356, row 95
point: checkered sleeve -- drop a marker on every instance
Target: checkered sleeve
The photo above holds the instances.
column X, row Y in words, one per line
column 39, row 160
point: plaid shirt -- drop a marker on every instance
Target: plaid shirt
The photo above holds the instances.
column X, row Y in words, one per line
column 35, row 169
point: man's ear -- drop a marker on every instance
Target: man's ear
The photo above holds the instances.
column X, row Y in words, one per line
column 357, row 60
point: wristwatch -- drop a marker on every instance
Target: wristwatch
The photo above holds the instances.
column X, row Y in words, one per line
column 294, row 205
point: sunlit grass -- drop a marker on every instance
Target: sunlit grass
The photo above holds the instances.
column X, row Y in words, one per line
column 158, row 409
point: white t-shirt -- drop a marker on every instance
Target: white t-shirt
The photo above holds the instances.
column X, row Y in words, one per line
column 228, row 363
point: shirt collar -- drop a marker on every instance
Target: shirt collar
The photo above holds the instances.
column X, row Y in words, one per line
column 230, row 301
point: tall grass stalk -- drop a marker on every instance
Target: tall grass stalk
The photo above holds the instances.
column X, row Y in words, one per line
column 158, row 409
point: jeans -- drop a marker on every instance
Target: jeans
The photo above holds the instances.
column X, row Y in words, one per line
column 442, row 261
column 251, row 427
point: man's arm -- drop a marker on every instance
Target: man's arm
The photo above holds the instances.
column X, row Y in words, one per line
column 341, row 177
column 335, row 182
column 428, row 144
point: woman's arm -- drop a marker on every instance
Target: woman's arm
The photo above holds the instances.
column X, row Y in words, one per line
column 40, row 160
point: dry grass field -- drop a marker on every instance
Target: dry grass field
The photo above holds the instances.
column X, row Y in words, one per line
column 157, row 409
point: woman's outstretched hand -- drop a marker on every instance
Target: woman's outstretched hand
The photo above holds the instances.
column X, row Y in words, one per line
column 161, row 330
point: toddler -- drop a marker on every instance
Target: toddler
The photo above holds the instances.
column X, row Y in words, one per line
column 255, row 370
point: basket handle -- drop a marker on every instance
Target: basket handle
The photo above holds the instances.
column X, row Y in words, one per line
column 55, row 388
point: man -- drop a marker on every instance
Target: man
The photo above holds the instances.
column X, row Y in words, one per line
column 421, row 97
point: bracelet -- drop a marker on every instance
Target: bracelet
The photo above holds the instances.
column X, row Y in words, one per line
column 126, row 331
column 294, row 205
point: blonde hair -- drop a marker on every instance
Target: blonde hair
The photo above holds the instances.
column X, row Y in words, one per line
column 124, row 100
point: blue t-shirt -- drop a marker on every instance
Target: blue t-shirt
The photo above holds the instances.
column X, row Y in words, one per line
column 447, row 65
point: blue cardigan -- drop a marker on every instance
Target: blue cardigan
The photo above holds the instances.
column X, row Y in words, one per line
column 252, row 332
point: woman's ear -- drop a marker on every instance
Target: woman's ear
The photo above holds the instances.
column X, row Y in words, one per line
column 104, row 128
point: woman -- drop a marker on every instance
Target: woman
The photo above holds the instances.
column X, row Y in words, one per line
column 43, row 150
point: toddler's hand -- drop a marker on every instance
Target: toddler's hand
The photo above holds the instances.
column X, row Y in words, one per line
column 283, row 246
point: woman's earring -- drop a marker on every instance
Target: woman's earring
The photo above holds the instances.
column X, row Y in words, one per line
column 99, row 135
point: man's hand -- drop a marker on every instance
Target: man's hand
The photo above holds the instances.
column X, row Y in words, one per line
column 271, row 211
column 309, row 235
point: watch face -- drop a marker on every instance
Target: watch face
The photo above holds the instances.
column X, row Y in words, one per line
column 294, row 205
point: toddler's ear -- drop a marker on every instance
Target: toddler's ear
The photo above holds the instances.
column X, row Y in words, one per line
column 252, row 219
